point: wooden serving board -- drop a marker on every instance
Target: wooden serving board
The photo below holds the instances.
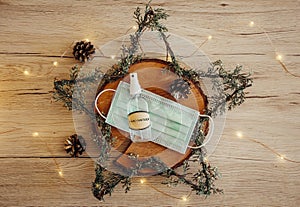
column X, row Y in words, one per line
column 154, row 78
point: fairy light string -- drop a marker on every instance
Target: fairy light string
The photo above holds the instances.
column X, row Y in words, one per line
column 240, row 135
column 61, row 174
column 278, row 55
column 57, row 165
column 183, row 198
column 55, row 64
column 209, row 37
column 143, row 181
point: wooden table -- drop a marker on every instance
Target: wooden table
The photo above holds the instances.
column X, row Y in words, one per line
column 33, row 129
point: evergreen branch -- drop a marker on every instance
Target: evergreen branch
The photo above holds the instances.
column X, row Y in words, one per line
column 64, row 89
column 150, row 19
column 106, row 181
column 232, row 90
column 202, row 182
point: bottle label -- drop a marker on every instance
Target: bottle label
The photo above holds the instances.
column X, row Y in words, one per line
column 139, row 120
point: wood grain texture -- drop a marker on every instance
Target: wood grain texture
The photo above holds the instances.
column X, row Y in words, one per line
column 34, row 33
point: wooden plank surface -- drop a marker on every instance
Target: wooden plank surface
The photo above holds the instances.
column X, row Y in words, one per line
column 33, row 34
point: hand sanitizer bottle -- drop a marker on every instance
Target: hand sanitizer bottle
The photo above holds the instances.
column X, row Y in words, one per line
column 138, row 113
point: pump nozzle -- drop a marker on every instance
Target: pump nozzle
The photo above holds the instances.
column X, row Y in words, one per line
column 135, row 87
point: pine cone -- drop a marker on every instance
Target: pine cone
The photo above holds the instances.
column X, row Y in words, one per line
column 75, row 145
column 83, row 50
column 180, row 88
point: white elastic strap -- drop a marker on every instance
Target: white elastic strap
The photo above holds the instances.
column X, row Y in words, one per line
column 210, row 133
column 96, row 101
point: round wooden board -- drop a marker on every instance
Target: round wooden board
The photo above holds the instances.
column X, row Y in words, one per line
column 154, row 78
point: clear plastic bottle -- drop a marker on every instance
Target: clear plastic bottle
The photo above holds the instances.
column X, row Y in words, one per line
column 138, row 113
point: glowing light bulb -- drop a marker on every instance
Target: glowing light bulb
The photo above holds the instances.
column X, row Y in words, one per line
column 279, row 57
column 209, row 37
column 26, row 72
column 251, row 24
column 35, row 134
column 55, row 63
column 282, row 157
column 239, row 134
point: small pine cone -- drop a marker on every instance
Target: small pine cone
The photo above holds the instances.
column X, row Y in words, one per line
column 83, row 50
column 180, row 88
column 75, row 145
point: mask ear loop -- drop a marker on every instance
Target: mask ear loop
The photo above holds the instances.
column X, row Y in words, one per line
column 210, row 133
column 96, row 101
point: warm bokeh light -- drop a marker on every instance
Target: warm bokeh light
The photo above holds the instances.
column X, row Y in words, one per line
column 251, row 24
column 281, row 157
column 279, row 57
column 239, row 134
column 26, row 72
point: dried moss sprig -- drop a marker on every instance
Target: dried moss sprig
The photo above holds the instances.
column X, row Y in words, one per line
column 230, row 86
column 202, row 182
column 234, row 83
column 106, row 181
column 64, row 89
column 150, row 18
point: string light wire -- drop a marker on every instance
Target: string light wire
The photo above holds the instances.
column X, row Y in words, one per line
column 278, row 57
column 11, row 130
column 53, row 66
column 58, row 168
column 199, row 47
column 282, row 157
column 184, row 198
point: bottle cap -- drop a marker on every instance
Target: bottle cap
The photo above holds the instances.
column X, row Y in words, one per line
column 135, row 87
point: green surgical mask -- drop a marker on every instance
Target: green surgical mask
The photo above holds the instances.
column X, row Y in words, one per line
column 172, row 124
